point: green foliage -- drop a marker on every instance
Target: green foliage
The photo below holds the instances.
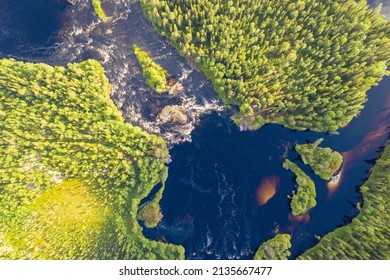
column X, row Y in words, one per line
column 153, row 73
column 368, row 236
column 63, row 217
column 97, row 6
column 277, row 248
column 150, row 212
column 59, row 125
column 304, row 198
column 304, row 64
column 323, row 161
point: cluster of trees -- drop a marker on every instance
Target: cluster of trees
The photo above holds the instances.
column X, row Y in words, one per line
column 59, row 124
column 150, row 212
column 304, row 64
column 305, row 196
column 323, row 161
column 97, row 6
column 277, row 248
column 368, row 236
column 153, row 73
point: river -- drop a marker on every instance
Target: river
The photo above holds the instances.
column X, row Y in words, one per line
column 227, row 191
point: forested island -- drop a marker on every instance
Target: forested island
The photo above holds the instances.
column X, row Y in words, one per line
column 154, row 74
column 304, row 198
column 323, row 161
column 368, row 236
column 73, row 172
column 303, row 64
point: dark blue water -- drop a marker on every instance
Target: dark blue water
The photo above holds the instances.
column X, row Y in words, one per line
column 29, row 27
column 210, row 203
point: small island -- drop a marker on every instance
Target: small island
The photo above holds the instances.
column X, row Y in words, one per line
column 97, row 6
column 323, row 161
column 304, row 198
column 153, row 73
column 277, row 248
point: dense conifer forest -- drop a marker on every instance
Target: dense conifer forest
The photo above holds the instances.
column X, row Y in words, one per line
column 72, row 173
column 304, row 64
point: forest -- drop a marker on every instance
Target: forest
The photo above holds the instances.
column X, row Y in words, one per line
column 303, row 64
column 153, row 73
column 277, row 248
column 323, row 161
column 304, row 198
column 368, row 236
column 66, row 149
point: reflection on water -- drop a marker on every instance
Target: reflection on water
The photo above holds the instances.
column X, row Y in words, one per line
column 373, row 138
column 304, row 218
column 334, row 184
column 368, row 144
column 267, row 189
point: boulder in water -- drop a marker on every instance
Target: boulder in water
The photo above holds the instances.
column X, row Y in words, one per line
column 172, row 113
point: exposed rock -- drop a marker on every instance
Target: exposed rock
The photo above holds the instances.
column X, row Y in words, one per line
column 172, row 114
column 175, row 88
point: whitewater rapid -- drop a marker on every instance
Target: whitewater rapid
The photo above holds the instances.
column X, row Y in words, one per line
column 84, row 36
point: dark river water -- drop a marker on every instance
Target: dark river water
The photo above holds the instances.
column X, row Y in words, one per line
column 227, row 191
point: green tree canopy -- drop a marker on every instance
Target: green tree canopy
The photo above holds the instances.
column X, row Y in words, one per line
column 72, row 173
column 303, row 64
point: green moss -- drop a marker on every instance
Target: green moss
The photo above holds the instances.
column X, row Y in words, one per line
column 97, row 6
column 303, row 64
column 276, row 248
column 59, row 124
column 323, row 161
column 368, row 236
column 153, row 73
column 304, row 198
